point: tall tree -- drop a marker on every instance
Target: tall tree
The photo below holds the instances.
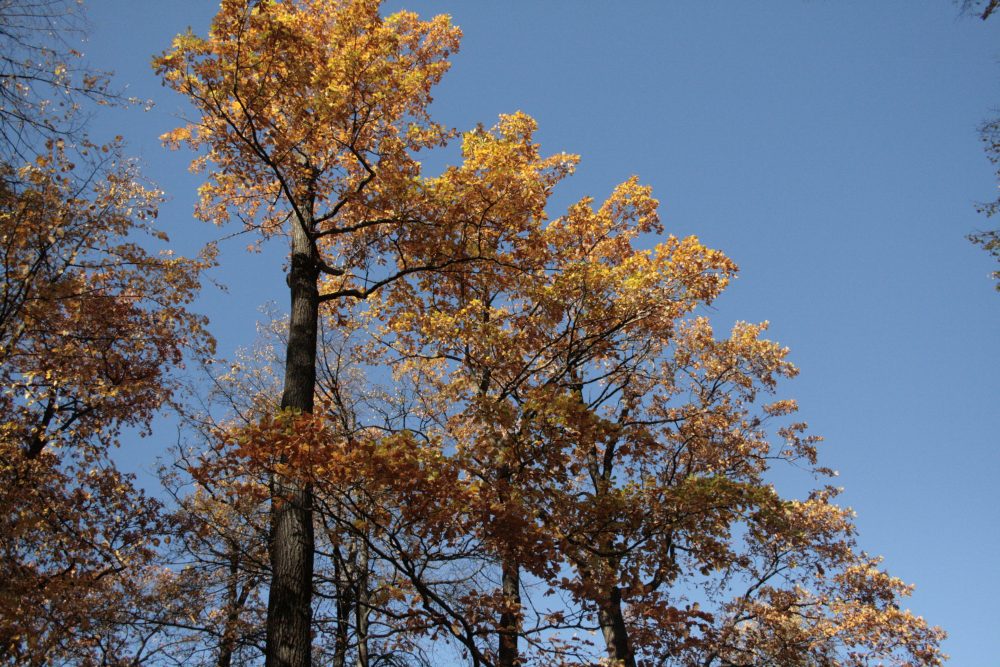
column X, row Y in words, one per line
column 611, row 447
column 310, row 111
column 575, row 426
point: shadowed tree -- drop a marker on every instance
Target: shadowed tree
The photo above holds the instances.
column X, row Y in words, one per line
column 91, row 324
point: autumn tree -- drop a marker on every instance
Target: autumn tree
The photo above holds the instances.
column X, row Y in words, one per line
column 576, row 426
column 469, row 318
column 359, row 617
column 91, row 324
column 600, row 429
column 309, row 113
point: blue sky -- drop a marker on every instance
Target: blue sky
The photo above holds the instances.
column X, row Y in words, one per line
column 829, row 148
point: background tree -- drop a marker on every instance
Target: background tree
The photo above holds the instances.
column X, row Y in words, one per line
column 213, row 613
column 44, row 82
column 990, row 239
column 91, row 325
column 359, row 617
column 989, row 134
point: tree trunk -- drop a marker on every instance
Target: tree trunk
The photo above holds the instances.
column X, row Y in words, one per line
column 345, row 601
column 510, row 580
column 289, row 605
column 510, row 618
column 228, row 642
column 613, row 628
column 363, row 609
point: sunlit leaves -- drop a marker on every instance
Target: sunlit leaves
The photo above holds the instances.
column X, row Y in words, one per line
column 299, row 99
column 562, row 409
column 611, row 445
column 89, row 319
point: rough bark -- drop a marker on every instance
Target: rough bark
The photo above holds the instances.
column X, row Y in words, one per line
column 344, row 604
column 613, row 628
column 292, row 545
column 233, row 605
column 510, row 618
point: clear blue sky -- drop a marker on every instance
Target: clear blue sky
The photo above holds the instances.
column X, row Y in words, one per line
column 829, row 147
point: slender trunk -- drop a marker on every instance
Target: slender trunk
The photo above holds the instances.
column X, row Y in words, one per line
column 613, row 628
column 363, row 609
column 510, row 618
column 510, row 579
column 228, row 642
column 289, row 605
column 342, row 577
